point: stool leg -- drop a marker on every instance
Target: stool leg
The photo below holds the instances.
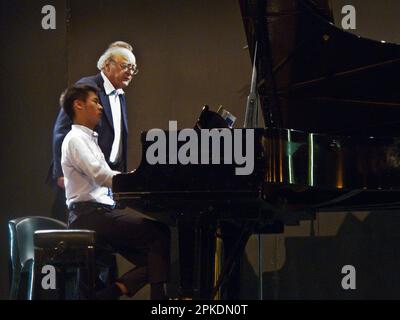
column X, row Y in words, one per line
column 91, row 271
column 31, row 280
column 34, row 276
column 62, row 282
column 15, row 284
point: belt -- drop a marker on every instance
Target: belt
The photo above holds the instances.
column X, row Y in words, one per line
column 89, row 204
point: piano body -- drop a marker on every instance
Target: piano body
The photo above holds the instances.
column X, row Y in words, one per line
column 331, row 142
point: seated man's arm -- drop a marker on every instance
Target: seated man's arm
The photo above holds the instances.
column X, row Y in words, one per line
column 93, row 166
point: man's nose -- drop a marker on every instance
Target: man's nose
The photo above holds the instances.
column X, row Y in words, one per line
column 100, row 107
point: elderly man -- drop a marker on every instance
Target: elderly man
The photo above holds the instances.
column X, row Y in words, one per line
column 117, row 67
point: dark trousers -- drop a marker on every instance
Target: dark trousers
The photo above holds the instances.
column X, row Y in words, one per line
column 144, row 242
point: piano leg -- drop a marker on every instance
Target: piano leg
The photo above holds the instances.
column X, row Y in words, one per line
column 229, row 278
column 186, row 236
column 204, row 247
column 196, row 255
column 230, row 231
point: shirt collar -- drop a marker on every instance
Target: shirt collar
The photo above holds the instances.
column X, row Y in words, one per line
column 85, row 130
column 108, row 87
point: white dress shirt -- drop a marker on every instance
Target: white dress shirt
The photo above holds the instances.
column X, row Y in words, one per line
column 87, row 176
column 115, row 103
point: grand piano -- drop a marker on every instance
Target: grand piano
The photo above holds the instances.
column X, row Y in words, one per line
column 331, row 107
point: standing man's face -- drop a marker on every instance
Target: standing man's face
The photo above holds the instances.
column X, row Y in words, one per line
column 120, row 70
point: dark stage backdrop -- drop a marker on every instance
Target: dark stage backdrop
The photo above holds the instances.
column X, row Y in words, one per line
column 189, row 53
column 33, row 72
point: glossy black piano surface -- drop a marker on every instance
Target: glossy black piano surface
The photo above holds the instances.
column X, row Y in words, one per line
column 330, row 101
column 315, row 77
column 305, row 169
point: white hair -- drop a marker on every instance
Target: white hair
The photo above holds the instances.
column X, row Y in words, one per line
column 112, row 52
column 121, row 44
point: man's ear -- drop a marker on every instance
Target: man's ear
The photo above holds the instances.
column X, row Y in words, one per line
column 106, row 68
column 78, row 104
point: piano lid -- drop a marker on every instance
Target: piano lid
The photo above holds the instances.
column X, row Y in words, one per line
column 315, row 77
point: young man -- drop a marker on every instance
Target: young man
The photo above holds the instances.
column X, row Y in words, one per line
column 88, row 181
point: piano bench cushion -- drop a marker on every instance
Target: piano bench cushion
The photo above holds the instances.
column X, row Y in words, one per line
column 47, row 239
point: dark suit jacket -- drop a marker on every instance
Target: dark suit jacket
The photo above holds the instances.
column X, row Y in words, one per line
column 105, row 128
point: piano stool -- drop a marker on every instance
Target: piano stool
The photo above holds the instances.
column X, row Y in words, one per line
column 68, row 253
column 39, row 241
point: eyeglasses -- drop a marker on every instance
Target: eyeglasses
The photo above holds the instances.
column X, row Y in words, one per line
column 126, row 66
